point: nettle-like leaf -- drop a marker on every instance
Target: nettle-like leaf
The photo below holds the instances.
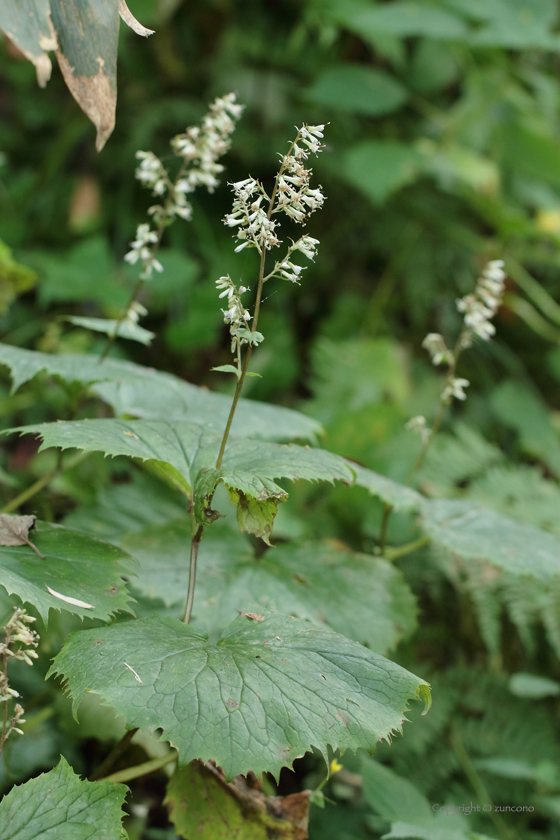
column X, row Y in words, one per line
column 138, row 391
column 362, row 597
column 266, row 693
column 77, row 573
column 248, row 472
column 400, row 497
column 182, row 451
column 59, row 806
column 472, row 531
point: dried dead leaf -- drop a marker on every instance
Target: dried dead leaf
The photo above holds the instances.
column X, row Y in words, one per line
column 253, row 616
column 14, row 530
column 131, row 21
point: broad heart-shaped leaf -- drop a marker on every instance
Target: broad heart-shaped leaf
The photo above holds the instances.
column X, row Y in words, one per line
column 473, row 531
column 28, row 24
column 400, row 497
column 362, row 597
column 88, row 38
column 59, row 806
column 75, row 566
column 262, row 696
column 181, row 450
column 138, row 391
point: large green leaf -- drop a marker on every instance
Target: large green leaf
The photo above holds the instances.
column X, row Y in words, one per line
column 379, row 168
column 182, row 451
column 410, row 17
column 88, row 37
column 391, row 796
column 397, row 495
column 358, row 89
column 28, row 24
column 143, row 392
column 362, row 597
column 266, row 693
column 59, row 806
column 472, row 531
column 75, row 566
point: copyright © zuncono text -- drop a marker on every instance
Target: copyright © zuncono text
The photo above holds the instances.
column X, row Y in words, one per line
column 472, row 808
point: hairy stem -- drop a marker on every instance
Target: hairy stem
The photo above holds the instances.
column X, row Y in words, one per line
column 408, row 548
column 35, row 488
column 140, row 769
column 114, row 755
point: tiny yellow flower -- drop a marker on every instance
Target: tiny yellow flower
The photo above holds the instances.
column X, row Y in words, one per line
column 335, row 766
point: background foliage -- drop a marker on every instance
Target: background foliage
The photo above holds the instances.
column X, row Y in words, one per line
column 442, row 153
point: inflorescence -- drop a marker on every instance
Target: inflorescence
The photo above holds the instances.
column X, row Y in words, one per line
column 19, row 643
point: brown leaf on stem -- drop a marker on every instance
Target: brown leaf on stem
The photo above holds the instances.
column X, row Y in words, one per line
column 14, row 530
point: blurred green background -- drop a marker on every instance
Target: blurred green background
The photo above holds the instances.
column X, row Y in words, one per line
column 443, row 152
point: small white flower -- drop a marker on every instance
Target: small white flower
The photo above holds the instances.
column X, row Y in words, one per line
column 436, row 347
column 455, row 388
column 418, row 426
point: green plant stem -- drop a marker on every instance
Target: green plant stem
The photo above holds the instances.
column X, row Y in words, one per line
column 387, row 510
column 478, row 786
column 114, row 755
column 140, row 769
column 35, row 488
column 195, row 545
column 197, row 538
column 408, row 548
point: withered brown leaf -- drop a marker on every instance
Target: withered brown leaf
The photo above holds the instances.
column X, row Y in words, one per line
column 14, row 530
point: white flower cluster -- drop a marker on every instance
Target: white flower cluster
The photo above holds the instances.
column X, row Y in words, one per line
column 16, row 632
column 134, row 312
column 199, row 148
column 455, row 388
column 255, row 229
column 288, row 270
column 418, row 426
column 142, row 249
column 294, row 197
column 235, row 315
column 480, row 307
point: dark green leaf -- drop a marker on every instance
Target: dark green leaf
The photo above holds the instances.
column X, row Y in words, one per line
column 381, row 167
column 406, row 17
column 358, row 89
column 393, row 797
column 28, row 24
column 75, row 566
column 264, row 695
column 143, row 392
column 472, row 531
column 397, row 495
column 88, row 36
column 60, row 806
column 362, row 597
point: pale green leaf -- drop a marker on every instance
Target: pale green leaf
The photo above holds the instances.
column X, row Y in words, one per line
column 75, row 566
column 379, row 168
column 264, row 695
column 407, row 17
column 401, row 830
column 126, row 329
column 59, row 806
column 533, row 686
column 397, row 495
column 143, row 392
column 358, row 89
column 362, row 597
column 472, row 531
column 227, row 369
column 393, row 797
column 28, row 24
